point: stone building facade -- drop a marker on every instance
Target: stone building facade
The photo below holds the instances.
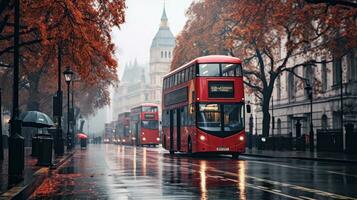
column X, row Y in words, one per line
column 143, row 83
column 161, row 51
column 134, row 89
column 290, row 102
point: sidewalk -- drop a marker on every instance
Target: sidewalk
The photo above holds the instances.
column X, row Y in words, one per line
column 303, row 155
column 33, row 175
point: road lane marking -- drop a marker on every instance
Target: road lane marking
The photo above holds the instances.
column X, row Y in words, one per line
column 271, row 191
column 303, row 168
column 308, row 198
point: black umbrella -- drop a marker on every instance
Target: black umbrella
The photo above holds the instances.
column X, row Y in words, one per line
column 36, row 119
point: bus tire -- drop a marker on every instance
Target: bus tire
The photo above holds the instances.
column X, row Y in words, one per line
column 172, row 152
column 189, row 147
column 235, row 155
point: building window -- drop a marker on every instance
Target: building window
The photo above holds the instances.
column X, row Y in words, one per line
column 278, row 88
column 324, row 124
column 169, row 54
column 337, row 64
column 336, row 120
column 324, row 76
column 165, row 54
column 146, row 97
column 291, row 86
column 352, row 65
column 279, row 126
column 162, row 54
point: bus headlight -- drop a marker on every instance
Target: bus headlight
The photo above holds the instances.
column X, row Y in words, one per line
column 123, row 140
column 133, row 138
column 202, row 138
column 263, row 139
column 144, row 139
column 143, row 133
column 241, row 138
column 158, row 139
column 118, row 140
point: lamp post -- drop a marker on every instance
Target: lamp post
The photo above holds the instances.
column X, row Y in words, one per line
column 68, row 77
column 308, row 88
column 1, row 142
column 59, row 144
column 16, row 141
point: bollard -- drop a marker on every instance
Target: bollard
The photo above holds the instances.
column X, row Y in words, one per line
column 45, row 150
column 34, row 146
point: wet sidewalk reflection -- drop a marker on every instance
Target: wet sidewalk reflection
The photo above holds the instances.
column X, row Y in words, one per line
column 124, row 172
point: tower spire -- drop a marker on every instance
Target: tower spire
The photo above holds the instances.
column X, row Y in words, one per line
column 164, row 17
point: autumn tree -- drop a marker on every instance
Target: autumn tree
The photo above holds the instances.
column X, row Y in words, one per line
column 271, row 37
column 82, row 30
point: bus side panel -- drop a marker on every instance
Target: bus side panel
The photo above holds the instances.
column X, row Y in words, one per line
column 184, row 139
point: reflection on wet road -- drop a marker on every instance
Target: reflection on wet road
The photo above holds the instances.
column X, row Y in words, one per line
column 123, row 172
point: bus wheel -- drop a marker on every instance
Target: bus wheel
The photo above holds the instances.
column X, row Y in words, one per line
column 235, row 155
column 172, row 152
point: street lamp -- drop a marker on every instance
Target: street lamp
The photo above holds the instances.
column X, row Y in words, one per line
column 16, row 163
column 308, row 89
column 57, row 107
column 1, row 142
column 68, row 77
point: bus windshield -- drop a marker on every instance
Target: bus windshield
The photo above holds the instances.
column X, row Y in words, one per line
column 149, row 109
column 150, row 124
column 219, row 70
column 220, row 117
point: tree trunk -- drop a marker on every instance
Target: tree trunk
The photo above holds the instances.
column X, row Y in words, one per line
column 265, row 109
column 33, row 100
column 266, row 119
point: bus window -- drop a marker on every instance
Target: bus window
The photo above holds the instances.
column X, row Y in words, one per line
column 150, row 124
column 171, row 81
column 233, row 117
column 193, row 70
column 209, row 69
column 186, row 75
column 239, row 70
column 228, row 69
column 165, row 86
column 209, row 117
column 189, row 73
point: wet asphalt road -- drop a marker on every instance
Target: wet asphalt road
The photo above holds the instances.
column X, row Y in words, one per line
column 121, row 172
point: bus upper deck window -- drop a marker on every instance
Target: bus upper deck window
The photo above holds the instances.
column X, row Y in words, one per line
column 209, row 69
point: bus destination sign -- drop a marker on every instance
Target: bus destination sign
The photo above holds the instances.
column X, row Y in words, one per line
column 220, row 89
column 149, row 116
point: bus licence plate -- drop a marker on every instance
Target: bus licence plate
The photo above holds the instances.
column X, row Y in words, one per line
column 222, row 149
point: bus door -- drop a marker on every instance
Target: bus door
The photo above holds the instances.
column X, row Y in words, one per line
column 178, row 129
column 171, row 130
column 137, row 137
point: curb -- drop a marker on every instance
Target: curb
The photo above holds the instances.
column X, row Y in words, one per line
column 59, row 163
column 301, row 158
column 23, row 191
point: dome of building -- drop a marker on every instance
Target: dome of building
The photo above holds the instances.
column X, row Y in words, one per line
column 164, row 37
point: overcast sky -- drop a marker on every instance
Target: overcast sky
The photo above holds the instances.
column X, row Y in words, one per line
column 134, row 38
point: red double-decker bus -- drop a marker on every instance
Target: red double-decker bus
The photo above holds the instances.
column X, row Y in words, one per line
column 123, row 129
column 144, row 125
column 203, row 107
